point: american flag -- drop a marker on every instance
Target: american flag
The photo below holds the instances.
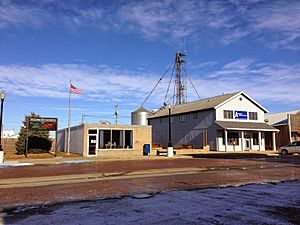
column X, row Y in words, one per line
column 75, row 90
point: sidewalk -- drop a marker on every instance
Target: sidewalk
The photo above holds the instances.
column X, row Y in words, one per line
column 186, row 153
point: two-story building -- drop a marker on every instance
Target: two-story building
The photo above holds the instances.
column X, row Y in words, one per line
column 229, row 122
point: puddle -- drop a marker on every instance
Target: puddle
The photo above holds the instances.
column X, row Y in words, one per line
column 79, row 161
column 15, row 164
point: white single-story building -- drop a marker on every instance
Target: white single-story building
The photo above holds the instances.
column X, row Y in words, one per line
column 229, row 122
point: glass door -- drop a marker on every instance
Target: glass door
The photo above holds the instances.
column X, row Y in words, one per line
column 247, row 143
column 92, row 145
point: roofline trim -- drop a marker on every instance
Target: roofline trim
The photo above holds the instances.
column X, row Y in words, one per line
column 177, row 114
column 252, row 129
column 247, row 96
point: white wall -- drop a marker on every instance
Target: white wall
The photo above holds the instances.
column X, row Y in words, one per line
column 240, row 105
column 221, row 147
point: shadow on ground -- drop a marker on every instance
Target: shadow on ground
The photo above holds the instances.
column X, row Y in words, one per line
column 231, row 155
column 291, row 159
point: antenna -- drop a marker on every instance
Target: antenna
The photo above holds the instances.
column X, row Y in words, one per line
column 180, row 81
column 116, row 113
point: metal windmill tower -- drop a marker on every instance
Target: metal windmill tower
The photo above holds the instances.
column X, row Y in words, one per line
column 180, row 87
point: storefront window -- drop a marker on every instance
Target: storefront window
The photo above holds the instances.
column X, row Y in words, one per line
column 115, row 139
column 128, row 139
column 255, row 138
column 233, row 138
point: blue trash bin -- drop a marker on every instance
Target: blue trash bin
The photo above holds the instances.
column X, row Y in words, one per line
column 146, row 149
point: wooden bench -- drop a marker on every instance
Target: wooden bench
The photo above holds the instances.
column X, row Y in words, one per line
column 163, row 151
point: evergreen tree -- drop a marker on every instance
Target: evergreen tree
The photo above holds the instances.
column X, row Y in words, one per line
column 38, row 140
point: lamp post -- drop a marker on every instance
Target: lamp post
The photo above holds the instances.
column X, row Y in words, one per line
column 170, row 130
column 2, row 96
column 170, row 146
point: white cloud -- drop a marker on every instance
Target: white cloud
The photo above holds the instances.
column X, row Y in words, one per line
column 15, row 15
column 271, row 82
column 282, row 20
column 98, row 82
column 275, row 23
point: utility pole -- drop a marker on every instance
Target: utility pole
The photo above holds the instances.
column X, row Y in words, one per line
column 179, row 86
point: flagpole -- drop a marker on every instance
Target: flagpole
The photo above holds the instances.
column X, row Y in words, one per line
column 69, row 120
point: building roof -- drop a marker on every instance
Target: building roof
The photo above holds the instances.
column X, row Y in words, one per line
column 277, row 119
column 231, row 125
column 141, row 109
column 203, row 104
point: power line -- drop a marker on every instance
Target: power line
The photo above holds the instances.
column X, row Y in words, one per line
column 157, row 83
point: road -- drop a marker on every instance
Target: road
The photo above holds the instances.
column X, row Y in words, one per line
column 47, row 184
column 266, row 204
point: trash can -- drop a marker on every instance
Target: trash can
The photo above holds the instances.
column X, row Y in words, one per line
column 146, row 149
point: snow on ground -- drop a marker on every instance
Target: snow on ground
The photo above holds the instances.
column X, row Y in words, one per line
column 273, row 203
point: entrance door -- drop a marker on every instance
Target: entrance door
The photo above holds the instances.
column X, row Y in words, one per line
column 247, row 143
column 92, row 145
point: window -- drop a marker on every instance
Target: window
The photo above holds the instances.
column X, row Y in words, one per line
column 203, row 137
column 128, row 139
column 255, row 138
column 172, row 119
column 161, row 119
column 182, row 118
column 233, row 138
column 228, row 114
column 115, row 139
column 296, row 143
column 104, row 139
column 195, row 115
column 92, row 131
column 252, row 115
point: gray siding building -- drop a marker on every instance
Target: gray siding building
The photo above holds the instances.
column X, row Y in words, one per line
column 229, row 122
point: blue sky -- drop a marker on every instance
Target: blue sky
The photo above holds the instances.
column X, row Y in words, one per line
column 115, row 51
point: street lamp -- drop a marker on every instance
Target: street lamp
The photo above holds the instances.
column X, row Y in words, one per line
column 2, row 96
column 170, row 130
column 170, row 146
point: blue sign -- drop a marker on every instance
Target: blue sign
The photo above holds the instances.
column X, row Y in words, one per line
column 241, row 115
